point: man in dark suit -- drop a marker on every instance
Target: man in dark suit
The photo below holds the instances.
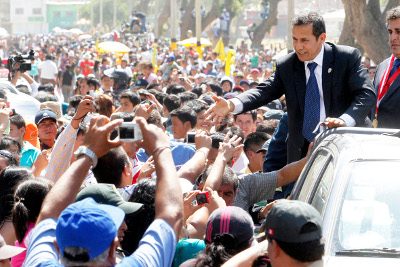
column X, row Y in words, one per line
column 322, row 82
column 386, row 112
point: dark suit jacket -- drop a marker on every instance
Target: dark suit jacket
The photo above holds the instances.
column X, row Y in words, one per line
column 346, row 87
column 389, row 108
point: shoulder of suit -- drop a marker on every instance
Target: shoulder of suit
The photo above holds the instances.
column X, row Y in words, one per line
column 343, row 48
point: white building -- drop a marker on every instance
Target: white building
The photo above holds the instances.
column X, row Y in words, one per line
column 28, row 16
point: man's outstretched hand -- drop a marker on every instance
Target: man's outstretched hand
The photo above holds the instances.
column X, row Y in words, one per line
column 219, row 109
column 334, row 123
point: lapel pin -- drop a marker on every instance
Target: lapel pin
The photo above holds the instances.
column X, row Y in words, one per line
column 329, row 70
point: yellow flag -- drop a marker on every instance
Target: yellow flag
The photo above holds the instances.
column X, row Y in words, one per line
column 155, row 55
column 219, row 48
column 97, row 48
column 228, row 62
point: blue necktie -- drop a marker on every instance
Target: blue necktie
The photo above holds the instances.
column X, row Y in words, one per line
column 396, row 65
column 312, row 105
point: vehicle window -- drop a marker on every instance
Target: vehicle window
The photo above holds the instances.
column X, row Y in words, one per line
column 321, row 195
column 369, row 213
column 313, row 174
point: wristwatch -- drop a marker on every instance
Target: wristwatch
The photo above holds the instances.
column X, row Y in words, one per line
column 82, row 150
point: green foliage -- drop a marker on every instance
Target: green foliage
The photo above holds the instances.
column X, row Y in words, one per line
column 123, row 12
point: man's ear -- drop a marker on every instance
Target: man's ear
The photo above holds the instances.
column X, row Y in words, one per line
column 187, row 125
column 56, row 246
column 111, row 253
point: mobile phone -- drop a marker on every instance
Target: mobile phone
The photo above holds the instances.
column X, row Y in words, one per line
column 190, row 137
column 202, row 198
column 129, row 132
column 181, row 79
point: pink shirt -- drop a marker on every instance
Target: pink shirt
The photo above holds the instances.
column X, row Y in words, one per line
column 18, row 260
column 152, row 78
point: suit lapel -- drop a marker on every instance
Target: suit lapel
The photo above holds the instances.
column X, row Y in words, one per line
column 327, row 74
column 379, row 74
column 393, row 87
column 300, row 82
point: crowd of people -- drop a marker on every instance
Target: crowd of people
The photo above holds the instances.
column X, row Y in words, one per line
column 74, row 194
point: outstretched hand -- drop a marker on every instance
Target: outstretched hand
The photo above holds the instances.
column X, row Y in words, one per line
column 219, row 109
column 229, row 146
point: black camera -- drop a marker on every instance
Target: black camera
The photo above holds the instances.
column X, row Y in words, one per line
column 18, row 62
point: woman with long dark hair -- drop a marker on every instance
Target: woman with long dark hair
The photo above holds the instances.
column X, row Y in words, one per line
column 28, row 198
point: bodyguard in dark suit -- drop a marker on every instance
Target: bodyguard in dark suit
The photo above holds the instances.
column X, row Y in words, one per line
column 321, row 81
column 386, row 112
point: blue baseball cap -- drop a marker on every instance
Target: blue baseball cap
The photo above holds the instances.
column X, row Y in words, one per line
column 88, row 225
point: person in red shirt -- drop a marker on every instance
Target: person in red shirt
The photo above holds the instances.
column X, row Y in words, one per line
column 87, row 66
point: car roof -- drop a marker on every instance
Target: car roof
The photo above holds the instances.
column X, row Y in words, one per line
column 362, row 143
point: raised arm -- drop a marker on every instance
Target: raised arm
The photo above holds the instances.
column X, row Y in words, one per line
column 65, row 190
column 225, row 154
column 195, row 166
column 169, row 200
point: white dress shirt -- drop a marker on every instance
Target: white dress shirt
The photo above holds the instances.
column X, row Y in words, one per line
column 318, row 75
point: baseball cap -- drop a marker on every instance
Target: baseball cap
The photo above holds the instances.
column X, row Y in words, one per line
column 143, row 92
column 56, row 108
column 80, row 76
column 170, row 59
column 200, row 75
column 7, row 251
column 244, row 82
column 141, row 83
column 207, row 99
column 226, row 79
column 255, row 70
column 45, row 114
column 239, row 74
column 209, row 62
column 230, row 95
column 293, row 221
column 253, row 83
column 238, row 88
column 265, row 146
column 231, row 226
column 88, row 225
column 273, row 114
column 275, row 104
column 108, row 194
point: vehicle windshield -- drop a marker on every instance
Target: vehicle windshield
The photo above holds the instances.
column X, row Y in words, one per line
column 369, row 214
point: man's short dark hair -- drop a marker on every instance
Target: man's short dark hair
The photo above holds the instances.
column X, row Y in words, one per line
column 133, row 97
column 268, row 126
column 234, row 130
column 23, row 88
column 175, row 88
column 93, row 82
column 254, row 140
column 304, row 252
column 18, row 121
column 185, row 114
column 253, row 114
column 47, row 87
column 313, row 18
column 155, row 118
column 187, row 96
column 172, row 102
column 216, row 88
column 152, row 86
column 110, row 167
column 75, row 100
column 228, row 177
column 392, row 14
column 195, row 105
column 44, row 97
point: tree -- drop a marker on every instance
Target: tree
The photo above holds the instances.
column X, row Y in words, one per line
column 365, row 25
column 266, row 25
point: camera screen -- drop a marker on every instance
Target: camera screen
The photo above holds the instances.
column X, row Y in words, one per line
column 201, row 199
column 191, row 138
column 126, row 133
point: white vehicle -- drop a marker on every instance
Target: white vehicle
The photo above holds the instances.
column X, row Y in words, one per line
column 23, row 104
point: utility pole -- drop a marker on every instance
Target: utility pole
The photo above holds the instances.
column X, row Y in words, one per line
column 115, row 15
column 289, row 44
column 101, row 14
column 198, row 26
column 173, row 18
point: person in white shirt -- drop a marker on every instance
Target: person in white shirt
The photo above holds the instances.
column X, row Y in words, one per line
column 48, row 71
